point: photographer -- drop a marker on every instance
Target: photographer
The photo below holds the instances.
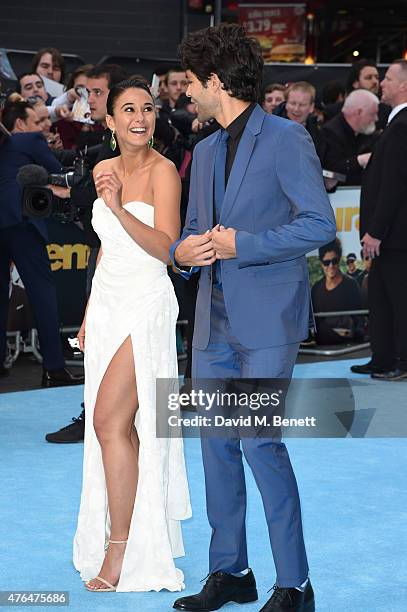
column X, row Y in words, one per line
column 23, row 241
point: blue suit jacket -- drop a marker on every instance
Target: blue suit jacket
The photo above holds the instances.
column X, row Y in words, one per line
column 276, row 200
column 17, row 151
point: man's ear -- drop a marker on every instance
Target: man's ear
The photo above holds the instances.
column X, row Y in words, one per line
column 20, row 125
column 215, row 81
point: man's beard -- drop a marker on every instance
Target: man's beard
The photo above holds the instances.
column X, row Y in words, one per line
column 369, row 129
column 203, row 115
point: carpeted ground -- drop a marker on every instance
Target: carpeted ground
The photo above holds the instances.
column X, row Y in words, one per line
column 353, row 494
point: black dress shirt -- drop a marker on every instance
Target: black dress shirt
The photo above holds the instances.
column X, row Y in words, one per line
column 235, row 131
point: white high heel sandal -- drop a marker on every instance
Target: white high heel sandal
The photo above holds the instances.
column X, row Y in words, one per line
column 110, row 587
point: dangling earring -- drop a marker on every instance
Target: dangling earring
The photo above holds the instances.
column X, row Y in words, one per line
column 151, row 142
column 113, row 143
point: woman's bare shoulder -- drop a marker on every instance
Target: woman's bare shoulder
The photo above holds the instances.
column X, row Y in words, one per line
column 162, row 166
column 104, row 164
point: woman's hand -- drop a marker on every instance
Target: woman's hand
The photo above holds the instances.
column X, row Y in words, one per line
column 81, row 336
column 109, row 187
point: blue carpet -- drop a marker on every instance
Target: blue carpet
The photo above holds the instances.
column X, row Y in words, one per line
column 353, row 496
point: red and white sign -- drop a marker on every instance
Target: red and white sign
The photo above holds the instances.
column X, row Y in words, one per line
column 279, row 28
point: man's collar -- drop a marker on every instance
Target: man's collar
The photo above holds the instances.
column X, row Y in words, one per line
column 396, row 110
column 237, row 126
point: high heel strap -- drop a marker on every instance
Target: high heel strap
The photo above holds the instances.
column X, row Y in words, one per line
column 117, row 541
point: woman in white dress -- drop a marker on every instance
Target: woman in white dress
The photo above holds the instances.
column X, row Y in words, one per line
column 135, row 490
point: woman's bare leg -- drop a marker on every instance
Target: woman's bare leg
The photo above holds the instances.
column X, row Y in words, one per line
column 115, row 409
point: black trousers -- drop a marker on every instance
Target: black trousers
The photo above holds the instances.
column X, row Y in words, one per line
column 387, row 296
column 24, row 245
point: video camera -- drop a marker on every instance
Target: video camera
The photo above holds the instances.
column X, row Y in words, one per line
column 38, row 200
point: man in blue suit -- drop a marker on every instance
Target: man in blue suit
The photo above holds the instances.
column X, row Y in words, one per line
column 23, row 240
column 257, row 205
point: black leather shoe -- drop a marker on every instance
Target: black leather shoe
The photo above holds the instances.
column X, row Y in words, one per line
column 70, row 434
column 363, row 368
column 4, row 371
column 391, row 375
column 219, row 589
column 61, row 377
column 291, row 600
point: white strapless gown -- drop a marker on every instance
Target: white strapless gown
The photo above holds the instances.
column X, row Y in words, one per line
column 133, row 295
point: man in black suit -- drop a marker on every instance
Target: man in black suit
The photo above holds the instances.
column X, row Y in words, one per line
column 23, row 241
column 349, row 136
column 383, row 231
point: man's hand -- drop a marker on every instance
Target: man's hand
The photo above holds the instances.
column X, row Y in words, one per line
column 72, row 95
column 363, row 159
column 63, row 112
column 60, row 192
column 371, row 246
column 224, row 242
column 195, row 251
column 196, row 126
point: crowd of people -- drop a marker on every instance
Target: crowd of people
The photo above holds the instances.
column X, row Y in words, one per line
column 344, row 120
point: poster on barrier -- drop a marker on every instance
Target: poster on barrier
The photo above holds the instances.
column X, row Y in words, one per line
column 345, row 203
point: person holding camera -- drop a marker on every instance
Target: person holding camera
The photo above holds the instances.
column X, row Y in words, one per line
column 23, row 241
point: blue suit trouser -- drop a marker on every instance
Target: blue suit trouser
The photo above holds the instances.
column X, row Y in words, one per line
column 268, row 459
column 24, row 245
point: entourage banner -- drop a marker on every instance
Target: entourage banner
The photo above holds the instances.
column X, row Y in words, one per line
column 279, row 28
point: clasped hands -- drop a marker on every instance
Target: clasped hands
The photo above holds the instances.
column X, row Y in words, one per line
column 205, row 249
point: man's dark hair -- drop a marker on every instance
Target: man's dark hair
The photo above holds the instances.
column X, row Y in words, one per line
column 56, row 59
column 84, row 69
column 331, row 91
column 24, row 74
column 13, row 111
column 227, row 51
column 177, row 68
column 118, row 89
column 112, row 72
column 355, row 70
column 335, row 246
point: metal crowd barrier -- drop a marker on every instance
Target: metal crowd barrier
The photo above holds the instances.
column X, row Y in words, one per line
column 18, row 343
column 342, row 350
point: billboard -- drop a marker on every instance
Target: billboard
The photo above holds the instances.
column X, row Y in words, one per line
column 279, row 28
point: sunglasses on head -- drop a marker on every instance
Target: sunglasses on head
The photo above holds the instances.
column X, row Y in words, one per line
column 334, row 261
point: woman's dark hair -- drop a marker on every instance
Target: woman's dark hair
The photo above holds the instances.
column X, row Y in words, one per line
column 14, row 110
column 227, row 51
column 334, row 246
column 78, row 72
column 56, row 58
column 354, row 72
column 119, row 88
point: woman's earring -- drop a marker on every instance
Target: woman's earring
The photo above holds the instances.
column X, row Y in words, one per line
column 151, row 142
column 113, row 143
